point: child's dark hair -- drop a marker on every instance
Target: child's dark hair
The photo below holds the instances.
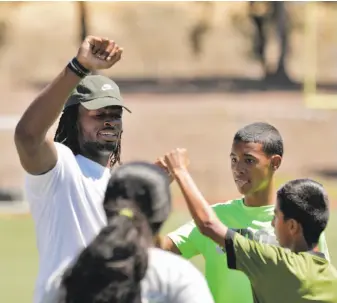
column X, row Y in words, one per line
column 305, row 201
column 111, row 267
column 263, row 133
column 145, row 184
column 67, row 134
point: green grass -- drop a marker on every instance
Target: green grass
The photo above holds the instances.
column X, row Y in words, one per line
column 18, row 264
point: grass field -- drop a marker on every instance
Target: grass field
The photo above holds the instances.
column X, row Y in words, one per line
column 206, row 130
column 19, row 256
column 221, row 116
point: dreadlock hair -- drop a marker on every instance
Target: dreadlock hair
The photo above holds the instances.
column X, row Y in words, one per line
column 67, row 134
column 111, row 268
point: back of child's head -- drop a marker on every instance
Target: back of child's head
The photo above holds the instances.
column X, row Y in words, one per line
column 111, row 268
column 145, row 184
column 305, row 201
column 137, row 202
column 263, row 133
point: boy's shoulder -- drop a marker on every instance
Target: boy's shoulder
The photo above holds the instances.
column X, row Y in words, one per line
column 228, row 204
column 238, row 205
column 235, row 214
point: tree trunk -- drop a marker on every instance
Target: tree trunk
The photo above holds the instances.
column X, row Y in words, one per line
column 201, row 27
column 258, row 14
column 282, row 35
column 82, row 11
column 83, row 24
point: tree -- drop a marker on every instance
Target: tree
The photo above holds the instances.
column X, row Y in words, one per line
column 262, row 15
column 201, row 27
column 280, row 20
column 83, row 22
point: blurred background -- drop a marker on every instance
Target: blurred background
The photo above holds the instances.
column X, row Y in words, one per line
column 192, row 73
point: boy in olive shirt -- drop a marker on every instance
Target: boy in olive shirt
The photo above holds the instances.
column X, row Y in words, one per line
column 255, row 156
column 293, row 273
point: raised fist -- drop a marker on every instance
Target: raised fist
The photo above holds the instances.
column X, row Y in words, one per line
column 176, row 160
column 98, row 53
column 160, row 162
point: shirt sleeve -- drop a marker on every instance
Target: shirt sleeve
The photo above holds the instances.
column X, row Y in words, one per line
column 36, row 186
column 255, row 259
column 188, row 240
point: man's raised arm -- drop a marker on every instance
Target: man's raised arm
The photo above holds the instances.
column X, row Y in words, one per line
column 37, row 154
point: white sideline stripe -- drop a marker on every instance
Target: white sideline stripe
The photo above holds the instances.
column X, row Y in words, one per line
column 13, row 208
column 8, row 122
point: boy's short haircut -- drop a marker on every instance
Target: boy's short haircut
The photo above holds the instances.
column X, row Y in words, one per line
column 305, row 201
column 263, row 133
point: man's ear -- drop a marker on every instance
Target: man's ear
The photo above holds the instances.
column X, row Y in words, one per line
column 275, row 162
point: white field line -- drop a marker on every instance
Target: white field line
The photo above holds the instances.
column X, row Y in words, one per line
column 13, row 209
column 8, row 122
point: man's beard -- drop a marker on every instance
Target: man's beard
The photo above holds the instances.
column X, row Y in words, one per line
column 94, row 149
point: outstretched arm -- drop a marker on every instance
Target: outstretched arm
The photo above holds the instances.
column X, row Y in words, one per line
column 37, row 154
column 204, row 217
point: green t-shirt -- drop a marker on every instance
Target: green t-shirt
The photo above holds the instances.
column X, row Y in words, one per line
column 279, row 275
column 227, row 285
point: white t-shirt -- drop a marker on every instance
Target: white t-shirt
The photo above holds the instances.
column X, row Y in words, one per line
column 169, row 279
column 172, row 279
column 66, row 205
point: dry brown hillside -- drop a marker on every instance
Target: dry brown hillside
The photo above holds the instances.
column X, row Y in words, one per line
column 40, row 37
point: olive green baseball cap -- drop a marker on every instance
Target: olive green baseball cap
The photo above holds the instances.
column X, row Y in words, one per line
column 94, row 92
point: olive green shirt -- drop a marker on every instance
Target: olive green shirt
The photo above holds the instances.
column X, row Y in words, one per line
column 280, row 276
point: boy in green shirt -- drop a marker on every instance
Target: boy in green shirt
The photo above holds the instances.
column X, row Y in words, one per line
column 255, row 156
column 294, row 274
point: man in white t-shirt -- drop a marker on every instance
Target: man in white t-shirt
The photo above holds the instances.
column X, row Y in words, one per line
column 66, row 179
column 121, row 264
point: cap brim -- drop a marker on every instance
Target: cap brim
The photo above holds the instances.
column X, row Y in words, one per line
column 103, row 102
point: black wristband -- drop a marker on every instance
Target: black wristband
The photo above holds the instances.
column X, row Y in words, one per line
column 80, row 66
column 77, row 68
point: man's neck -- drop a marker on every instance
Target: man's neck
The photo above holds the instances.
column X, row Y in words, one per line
column 264, row 197
column 102, row 160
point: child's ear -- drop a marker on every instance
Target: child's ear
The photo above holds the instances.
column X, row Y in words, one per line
column 294, row 227
column 275, row 162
